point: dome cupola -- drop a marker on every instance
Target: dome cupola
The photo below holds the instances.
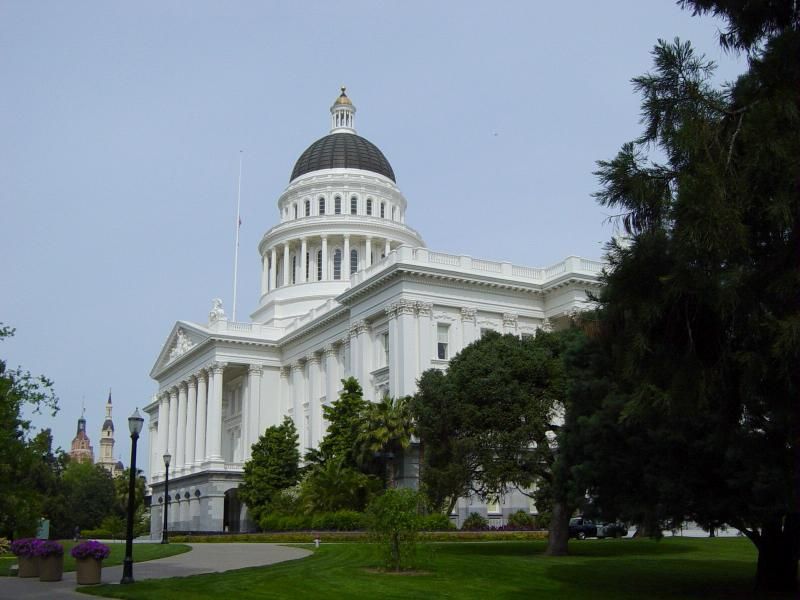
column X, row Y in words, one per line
column 342, row 148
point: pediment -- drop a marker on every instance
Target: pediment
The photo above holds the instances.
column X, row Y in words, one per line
column 182, row 340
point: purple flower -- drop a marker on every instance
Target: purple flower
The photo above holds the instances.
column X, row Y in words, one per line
column 45, row 548
column 91, row 549
column 24, row 547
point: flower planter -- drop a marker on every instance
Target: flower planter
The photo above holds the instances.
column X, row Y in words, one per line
column 51, row 568
column 28, row 566
column 88, row 571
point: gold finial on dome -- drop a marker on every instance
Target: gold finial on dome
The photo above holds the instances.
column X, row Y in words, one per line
column 343, row 99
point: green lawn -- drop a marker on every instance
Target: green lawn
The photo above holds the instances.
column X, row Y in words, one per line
column 141, row 553
column 599, row 569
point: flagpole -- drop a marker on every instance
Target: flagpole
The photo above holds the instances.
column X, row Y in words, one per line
column 238, row 226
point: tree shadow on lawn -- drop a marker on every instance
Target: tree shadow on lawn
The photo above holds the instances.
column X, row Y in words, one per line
column 655, row 578
column 590, row 548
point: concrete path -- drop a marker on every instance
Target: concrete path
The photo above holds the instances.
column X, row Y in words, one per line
column 203, row 558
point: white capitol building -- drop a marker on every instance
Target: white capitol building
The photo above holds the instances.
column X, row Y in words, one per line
column 347, row 289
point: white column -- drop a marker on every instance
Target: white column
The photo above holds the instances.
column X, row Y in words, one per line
column 331, row 374
column 254, row 373
column 394, row 352
column 407, row 330
column 424, row 310
column 163, row 432
column 181, row 448
column 273, row 269
column 264, row 274
column 346, row 258
column 368, row 253
column 297, row 398
column 468, row 325
column 286, row 275
column 303, row 251
column 173, row 424
column 355, row 365
column 214, row 415
column 202, row 398
column 285, row 391
column 325, row 258
column 387, row 248
column 312, row 362
column 191, row 422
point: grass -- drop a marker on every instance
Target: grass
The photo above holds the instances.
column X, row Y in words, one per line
column 141, row 553
column 675, row 568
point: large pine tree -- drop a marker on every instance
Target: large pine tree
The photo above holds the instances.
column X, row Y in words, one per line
column 690, row 397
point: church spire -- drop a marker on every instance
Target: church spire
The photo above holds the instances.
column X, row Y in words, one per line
column 343, row 114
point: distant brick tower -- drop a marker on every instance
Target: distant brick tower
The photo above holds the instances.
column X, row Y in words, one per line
column 81, row 450
column 106, row 459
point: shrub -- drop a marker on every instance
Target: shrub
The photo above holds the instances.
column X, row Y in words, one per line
column 521, row 520
column 475, row 522
column 436, row 522
column 342, row 520
column 5, row 546
column 95, row 534
column 281, row 522
column 90, row 549
column 394, row 522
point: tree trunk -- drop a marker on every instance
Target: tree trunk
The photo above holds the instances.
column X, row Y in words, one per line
column 778, row 555
column 558, row 539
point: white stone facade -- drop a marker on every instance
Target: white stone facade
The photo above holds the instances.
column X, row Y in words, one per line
column 347, row 289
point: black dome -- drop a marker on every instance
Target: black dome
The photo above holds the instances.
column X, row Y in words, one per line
column 342, row 151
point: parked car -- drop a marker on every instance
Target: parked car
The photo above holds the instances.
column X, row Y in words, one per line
column 612, row 529
column 581, row 528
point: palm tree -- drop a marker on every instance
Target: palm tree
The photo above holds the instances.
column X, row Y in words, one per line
column 386, row 432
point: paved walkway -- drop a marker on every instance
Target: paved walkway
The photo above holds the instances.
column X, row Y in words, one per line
column 203, row 558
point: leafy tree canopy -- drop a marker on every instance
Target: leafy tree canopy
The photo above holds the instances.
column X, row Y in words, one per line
column 273, row 466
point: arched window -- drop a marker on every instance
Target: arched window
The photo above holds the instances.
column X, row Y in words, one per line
column 383, row 210
column 319, row 265
column 308, row 208
column 353, row 261
column 294, row 268
column 322, row 206
column 337, row 205
column 353, row 205
column 369, row 206
column 337, row 264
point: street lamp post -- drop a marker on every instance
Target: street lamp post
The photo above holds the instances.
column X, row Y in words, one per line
column 164, row 530
column 135, row 423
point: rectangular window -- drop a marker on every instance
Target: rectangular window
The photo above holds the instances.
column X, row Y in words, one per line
column 353, row 205
column 383, row 210
column 493, row 506
column 369, row 206
column 442, row 335
column 319, row 265
column 385, row 342
column 307, row 266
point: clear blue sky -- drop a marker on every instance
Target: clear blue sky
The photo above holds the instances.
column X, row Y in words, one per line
column 121, row 125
